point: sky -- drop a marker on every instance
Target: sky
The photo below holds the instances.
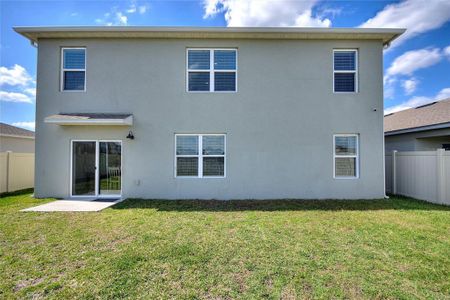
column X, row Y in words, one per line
column 416, row 66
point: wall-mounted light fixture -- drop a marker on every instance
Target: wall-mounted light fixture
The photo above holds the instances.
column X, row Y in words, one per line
column 130, row 135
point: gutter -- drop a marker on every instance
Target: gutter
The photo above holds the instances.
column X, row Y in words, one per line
column 386, row 35
column 387, row 44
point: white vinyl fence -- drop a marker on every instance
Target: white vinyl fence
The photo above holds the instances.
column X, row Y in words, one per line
column 16, row 171
column 423, row 175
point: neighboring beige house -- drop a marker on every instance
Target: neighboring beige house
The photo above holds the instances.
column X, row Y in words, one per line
column 16, row 139
column 209, row 113
column 424, row 128
column 16, row 158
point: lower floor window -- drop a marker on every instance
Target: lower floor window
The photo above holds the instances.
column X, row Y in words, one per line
column 346, row 156
column 200, row 155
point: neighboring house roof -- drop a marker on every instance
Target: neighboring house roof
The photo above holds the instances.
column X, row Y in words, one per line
column 90, row 119
column 384, row 34
column 13, row 131
column 434, row 115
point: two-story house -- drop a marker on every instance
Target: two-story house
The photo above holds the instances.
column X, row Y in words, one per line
column 209, row 113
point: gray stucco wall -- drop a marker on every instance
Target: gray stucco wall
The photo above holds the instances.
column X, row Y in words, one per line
column 279, row 125
column 418, row 141
column 16, row 144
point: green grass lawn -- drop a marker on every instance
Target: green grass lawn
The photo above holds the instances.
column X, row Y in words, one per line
column 396, row 248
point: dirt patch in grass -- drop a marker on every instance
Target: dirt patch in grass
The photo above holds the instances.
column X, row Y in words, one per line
column 27, row 283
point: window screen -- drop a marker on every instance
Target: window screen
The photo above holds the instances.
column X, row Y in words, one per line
column 73, row 80
column 344, row 60
column 198, row 59
column 346, row 156
column 211, row 70
column 209, row 162
column 344, row 82
column 225, row 59
column 73, row 69
column 199, row 81
column 225, row 81
column 345, row 70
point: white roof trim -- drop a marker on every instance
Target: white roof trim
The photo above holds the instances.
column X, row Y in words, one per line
column 386, row 35
column 128, row 121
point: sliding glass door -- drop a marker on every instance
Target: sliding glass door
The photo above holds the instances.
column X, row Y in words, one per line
column 83, row 168
column 110, row 174
column 96, row 168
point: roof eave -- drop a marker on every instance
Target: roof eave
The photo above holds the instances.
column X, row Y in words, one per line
column 418, row 129
column 386, row 35
column 17, row 136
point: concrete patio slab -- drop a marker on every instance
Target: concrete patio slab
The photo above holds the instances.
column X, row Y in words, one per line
column 72, row 205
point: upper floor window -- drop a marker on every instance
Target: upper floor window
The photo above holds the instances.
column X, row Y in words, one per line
column 211, row 70
column 346, row 156
column 345, row 70
column 73, row 69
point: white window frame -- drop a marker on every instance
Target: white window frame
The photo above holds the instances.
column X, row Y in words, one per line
column 344, row 71
column 356, row 156
column 63, row 70
column 97, row 170
column 200, row 155
column 211, row 70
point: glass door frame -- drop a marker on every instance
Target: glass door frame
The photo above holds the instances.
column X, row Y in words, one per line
column 97, row 170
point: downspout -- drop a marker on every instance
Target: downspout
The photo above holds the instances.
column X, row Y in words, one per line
column 386, row 46
column 384, row 161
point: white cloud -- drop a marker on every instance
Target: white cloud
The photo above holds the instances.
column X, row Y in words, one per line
column 405, row 65
column 265, row 12
column 14, row 97
column 121, row 18
column 26, row 125
column 307, row 20
column 30, row 91
column 211, row 7
column 143, row 9
column 418, row 101
column 115, row 17
column 389, row 87
column 329, row 11
column 447, row 52
column 443, row 94
column 21, row 83
column 132, row 9
column 410, row 85
column 411, row 61
column 417, row 16
column 17, row 75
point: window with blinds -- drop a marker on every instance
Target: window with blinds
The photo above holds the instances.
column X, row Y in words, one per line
column 73, row 69
column 211, row 70
column 345, row 71
column 200, row 155
column 346, row 156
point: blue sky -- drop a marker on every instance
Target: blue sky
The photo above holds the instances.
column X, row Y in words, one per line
column 417, row 66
